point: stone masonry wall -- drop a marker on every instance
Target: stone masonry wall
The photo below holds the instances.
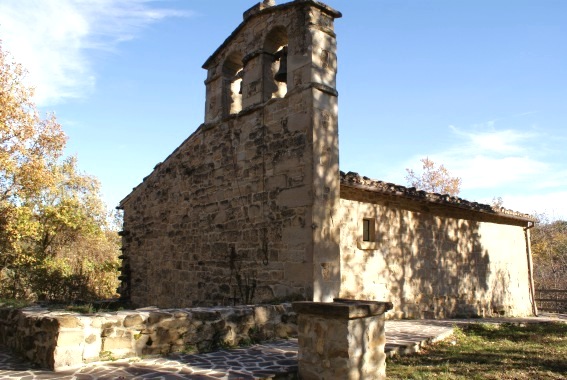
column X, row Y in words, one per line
column 60, row 340
column 239, row 213
column 432, row 263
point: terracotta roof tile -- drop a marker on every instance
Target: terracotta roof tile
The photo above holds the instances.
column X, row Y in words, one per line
column 353, row 179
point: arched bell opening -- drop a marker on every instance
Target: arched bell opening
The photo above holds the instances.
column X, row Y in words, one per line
column 232, row 72
column 281, row 74
column 275, row 63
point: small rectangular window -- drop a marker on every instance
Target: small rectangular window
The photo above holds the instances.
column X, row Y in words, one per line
column 368, row 241
column 366, row 230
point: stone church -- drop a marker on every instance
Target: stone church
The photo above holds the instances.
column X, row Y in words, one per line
column 252, row 206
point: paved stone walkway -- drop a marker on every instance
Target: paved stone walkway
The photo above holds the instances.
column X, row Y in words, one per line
column 274, row 360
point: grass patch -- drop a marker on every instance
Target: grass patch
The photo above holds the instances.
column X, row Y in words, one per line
column 13, row 303
column 486, row 351
column 81, row 307
column 107, row 356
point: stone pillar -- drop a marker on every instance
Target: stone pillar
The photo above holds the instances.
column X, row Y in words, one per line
column 341, row 340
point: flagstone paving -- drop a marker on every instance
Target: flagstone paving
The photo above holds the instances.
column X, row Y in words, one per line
column 273, row 360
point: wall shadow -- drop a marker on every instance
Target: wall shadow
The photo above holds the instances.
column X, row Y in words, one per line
column 431, row 261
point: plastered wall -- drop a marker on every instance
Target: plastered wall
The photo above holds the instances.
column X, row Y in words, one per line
column 429, row 264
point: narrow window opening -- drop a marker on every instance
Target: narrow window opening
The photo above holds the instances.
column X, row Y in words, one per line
column 368, row 239
column 232, row 82
column 365, row 229
column 275, row 67
column 236, row 93
column 280, row 76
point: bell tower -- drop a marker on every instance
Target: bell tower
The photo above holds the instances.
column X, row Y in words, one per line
column 280, row 64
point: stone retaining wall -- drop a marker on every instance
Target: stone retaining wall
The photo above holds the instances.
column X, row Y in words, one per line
column 61, row 340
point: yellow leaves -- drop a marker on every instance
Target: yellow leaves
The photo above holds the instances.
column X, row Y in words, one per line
column 51, row 216
column 550, row 239
column 549, row 248
column 28, row 144
column 17, row 223
column 434, row 179
column 24, row 259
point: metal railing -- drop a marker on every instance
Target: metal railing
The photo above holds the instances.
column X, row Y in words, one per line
column 554, row 300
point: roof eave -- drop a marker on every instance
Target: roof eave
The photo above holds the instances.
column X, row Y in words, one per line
column 448, row 201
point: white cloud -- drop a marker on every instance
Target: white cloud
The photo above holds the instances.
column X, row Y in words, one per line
column 494, row 141
column 52, row 39
column 490, row 158
column 550, row 203
column 484, row 172
column 520, row 165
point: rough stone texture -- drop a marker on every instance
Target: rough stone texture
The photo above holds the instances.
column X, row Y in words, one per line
column 240, row 212
column 432, row 261
column 252, row 206
column 343, row 308
column 346, row 342
column 269, row 360
column 58, row 340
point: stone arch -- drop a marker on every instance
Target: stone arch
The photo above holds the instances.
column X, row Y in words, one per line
column 275, row 49
column 232, row 73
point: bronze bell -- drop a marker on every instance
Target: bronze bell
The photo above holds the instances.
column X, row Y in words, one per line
column 281, row 75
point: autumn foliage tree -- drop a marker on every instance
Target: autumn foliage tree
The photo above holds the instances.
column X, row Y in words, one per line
column 549, row 249
column 55, row 239
column 434, row 179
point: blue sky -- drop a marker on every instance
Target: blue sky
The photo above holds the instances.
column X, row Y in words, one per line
column 478, row 85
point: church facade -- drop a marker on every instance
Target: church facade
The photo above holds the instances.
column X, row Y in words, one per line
column 252, row 206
